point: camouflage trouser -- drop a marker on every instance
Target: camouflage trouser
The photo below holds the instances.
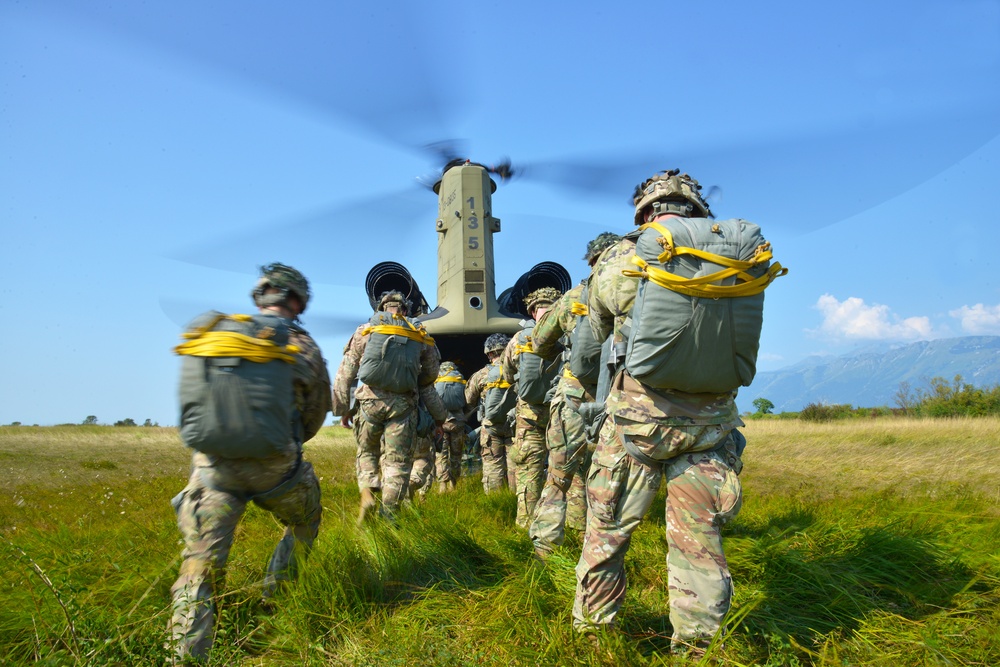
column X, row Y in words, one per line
column 576, row 497
column 567, row 443
column 449, row 459
column 385, row 430
column 422, row 473
column 494, row 450
column 703, row 493
column 528, row 455
column 207, row 520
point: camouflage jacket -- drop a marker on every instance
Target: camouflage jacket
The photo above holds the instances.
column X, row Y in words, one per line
column 311, row 382
column 347, row 377
column 552, row 326
column 612, row 296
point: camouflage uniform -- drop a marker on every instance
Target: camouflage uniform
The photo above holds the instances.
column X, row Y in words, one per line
column 386, row 421
column 494, row 439
column 528, row 451
column 693, row 435
column 210, row 507
column 565, row 436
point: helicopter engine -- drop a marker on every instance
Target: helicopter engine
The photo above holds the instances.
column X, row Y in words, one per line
column 543, row 274
column 388, row 276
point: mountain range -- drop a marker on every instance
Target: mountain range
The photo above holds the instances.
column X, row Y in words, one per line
column 871, row 377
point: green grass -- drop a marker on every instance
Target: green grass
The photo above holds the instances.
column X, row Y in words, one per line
column 871, row 543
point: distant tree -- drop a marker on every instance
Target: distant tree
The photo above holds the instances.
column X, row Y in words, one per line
column 15, row 423
column 149, row 422
column 764, row 406
column 128, row 421
column 91, row 420
column 906, row 398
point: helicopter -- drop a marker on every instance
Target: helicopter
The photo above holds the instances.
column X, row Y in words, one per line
column 468, row 308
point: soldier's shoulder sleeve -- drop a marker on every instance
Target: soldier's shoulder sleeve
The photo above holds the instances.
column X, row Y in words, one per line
column 553, row 324
column 474, row 387
column 610, row 293
column 347, row 372
column 312, row 384
column 430, row 365
column 509, row 358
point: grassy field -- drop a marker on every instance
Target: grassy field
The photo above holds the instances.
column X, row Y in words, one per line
column 869, row 542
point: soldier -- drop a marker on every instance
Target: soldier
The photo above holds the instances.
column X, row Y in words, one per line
column 703, row 490
column 494, row 434
column 534, row 379
column 450, row 386
column 565, row 436
column 396, row 373
column 210, row 506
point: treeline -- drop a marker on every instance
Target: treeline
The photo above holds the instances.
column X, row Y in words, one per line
column 940, row 398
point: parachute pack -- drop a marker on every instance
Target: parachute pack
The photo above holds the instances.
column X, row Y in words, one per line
column 499, row 397
column 391, row 360
column 698, row 312
column 236, row 393
column 450, row 386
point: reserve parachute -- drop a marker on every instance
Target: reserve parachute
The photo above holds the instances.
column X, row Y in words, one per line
column 450, row 386
column 499, row 397
column 698, row 312
column 585, row 349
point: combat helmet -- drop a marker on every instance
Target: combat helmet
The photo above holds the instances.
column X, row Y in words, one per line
column 447, row 368
column 394, row 298
column 601, row 242
column 540, row 297
column 284, row 278
column 670, row 192
column 496, row 343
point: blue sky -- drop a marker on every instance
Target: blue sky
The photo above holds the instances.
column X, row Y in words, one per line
column 152, row 155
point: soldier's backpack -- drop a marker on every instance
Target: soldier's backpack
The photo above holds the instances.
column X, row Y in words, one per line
column 236, row 393
column 450, row 386
column 585, row 349
column 697, row 316
column 499, row 397
column 391, row 360
column 535, row 376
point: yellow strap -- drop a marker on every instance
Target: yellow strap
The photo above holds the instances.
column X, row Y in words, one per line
column 499, row 384
column 701, row 287
column 527, row 347
column 568, row 374
column 578, row 308
column 410, row 332
column 449, row 378
column 762, row 254
column 232, row 344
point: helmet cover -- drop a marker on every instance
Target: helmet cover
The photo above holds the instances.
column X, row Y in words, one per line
column 543, row 296
column 680, row 193
column 601, row 242
column 496, row 343
column 393, row 298
column 284, row 278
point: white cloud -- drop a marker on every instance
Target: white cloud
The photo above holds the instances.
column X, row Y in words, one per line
column 979, row 319
column 853, row 319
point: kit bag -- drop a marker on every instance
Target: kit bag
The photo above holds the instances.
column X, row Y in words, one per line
column 699, row 308
column 391, row 360
column 585, row 349
column 236, row 394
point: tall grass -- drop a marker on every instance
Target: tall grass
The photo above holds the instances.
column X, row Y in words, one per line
column 860, row 543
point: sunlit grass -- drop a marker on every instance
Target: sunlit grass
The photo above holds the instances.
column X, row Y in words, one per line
column 860, row 543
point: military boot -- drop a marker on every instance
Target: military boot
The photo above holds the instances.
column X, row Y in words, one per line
column 367, row 504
